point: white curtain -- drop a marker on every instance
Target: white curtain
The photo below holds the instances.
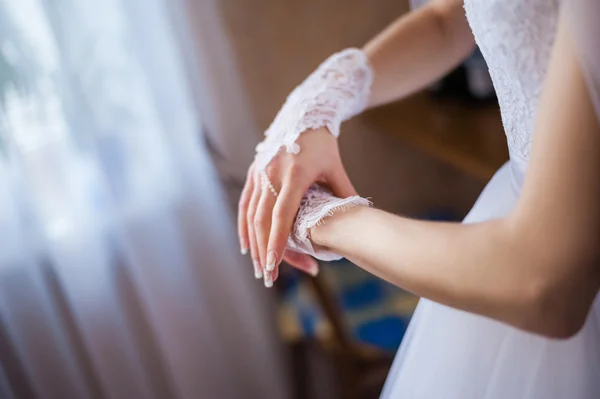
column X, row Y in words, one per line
column 120, row 275
column 227, row 114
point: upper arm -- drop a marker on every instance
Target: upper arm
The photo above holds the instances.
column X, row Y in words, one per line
column 557, row 220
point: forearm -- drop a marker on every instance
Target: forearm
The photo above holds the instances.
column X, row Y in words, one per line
column 446, row 262
column 482, row 268
column 537, row 267
column 418, row 49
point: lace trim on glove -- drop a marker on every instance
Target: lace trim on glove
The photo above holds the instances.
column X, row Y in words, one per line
column 336, row 91
column 316, row 205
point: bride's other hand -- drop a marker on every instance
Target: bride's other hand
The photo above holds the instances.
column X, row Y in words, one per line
column 265, row 219
column 299, row 149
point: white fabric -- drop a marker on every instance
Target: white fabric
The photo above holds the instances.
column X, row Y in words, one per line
column 517, row 58
column 336, row 91
column 317, row 204
column 115, row 241
column 583, row 20
column 451, row 354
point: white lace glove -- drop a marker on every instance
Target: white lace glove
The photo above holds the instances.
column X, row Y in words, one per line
column 318, row 204
column 336, row 91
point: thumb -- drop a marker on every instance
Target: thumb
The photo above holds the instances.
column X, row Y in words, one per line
column 340, row 184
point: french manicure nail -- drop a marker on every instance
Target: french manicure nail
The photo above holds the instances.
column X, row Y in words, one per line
column 271, row 260
column 314, row 271
column 257, row 270
column 268, row 279
column 243, row 246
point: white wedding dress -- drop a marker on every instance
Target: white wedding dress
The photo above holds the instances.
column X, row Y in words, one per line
column 450, row 354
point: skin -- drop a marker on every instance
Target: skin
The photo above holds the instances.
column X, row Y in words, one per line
column 411, row 53
column 538, row 268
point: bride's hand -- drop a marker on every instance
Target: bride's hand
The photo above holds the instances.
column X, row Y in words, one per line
column 265, row 220
column 299, row 149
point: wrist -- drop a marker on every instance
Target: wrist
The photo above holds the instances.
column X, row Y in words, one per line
column 325, row 235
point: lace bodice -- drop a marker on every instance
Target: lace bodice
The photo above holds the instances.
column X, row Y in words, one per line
column 515, row 37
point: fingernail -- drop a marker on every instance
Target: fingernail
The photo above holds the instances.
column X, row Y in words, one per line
column 271, row 260
column 257, row 270
column 244, row 251
column 314, row 271
column 268, row 279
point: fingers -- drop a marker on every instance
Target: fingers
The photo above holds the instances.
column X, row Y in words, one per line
column 262, row 228
column 283, row 215
column 302, row 262
column 243, row 204
column 266, row 217
column 243, row 209
column 340, row 184
column 252, row 205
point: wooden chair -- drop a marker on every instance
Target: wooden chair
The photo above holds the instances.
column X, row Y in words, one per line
column 360, row 369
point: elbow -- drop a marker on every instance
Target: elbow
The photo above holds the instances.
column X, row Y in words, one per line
column 552, row 324
column 556, row 325
column 558, row 309
column 558, row 273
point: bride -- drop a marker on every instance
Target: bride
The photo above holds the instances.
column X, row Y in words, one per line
column 510, row 308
